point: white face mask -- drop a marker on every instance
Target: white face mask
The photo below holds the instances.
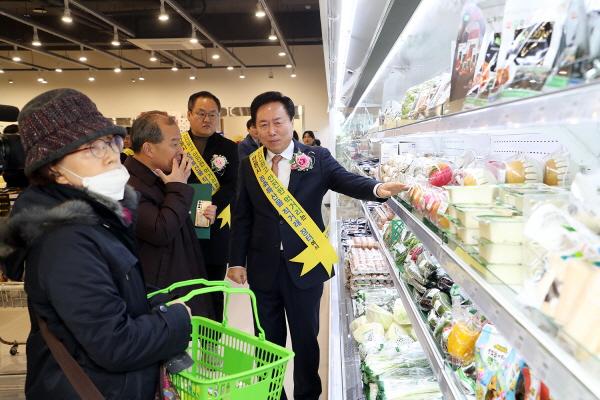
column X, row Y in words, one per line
column 110, row 184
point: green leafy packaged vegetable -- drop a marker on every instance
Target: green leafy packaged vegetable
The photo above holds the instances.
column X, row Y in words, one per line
column 379, row 315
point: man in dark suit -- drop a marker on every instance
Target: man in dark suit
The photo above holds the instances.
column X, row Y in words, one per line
column 221, row 156
column 265, row 242
column 168, row 249
column 250, row 142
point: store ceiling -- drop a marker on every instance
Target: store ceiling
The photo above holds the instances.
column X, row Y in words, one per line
column 228, row 24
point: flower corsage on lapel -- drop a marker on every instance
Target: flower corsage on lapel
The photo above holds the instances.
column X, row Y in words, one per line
column 302, row 162
column 218, row 163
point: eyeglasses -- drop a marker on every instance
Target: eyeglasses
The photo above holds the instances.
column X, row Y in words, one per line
column 201, row 115
column 99, row 147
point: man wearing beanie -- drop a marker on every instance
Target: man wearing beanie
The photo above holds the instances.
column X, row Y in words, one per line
column 73, row 228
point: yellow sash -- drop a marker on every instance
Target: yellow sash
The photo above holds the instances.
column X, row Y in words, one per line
column 201, row 169
column 318, row 250
column 205, row 174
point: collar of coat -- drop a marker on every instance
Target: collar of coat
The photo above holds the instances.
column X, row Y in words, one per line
column 41, row 212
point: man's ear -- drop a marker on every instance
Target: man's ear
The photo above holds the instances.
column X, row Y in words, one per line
column 148, row 149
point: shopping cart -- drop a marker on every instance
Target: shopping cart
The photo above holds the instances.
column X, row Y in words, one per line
column 228, row 363
column 12, row 295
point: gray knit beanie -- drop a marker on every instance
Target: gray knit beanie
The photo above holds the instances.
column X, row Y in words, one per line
column 57, row 122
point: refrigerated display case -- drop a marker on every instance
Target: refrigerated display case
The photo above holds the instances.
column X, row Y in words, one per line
column 462, row 87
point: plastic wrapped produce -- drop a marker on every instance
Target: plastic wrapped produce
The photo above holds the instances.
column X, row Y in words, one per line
column 379, row 315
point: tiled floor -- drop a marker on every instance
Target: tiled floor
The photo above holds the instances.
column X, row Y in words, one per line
column 239, row 313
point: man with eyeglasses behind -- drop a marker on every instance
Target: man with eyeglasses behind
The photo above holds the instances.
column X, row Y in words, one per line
column 216, row 163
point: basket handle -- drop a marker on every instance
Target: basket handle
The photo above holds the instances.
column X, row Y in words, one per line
column 228, row 291
column 190, row 282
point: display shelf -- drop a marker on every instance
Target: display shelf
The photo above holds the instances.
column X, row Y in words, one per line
column 569, row 106
column 344, row 361
column 448, row 384
column 564, row 375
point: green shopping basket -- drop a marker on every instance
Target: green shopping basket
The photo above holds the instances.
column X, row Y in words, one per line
column 229, row 364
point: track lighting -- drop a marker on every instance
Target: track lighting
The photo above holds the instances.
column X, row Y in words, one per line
column 230, row 68
column 153, row 57
column 260, row 13
column 194, row 38
column 117, row 70
column 1, row 71
column 66, row 18
column 82, row 56
column 242, row 75
column 91, row 78
column 15, row 56
column 115, row 42
column 281, row 54
column 216, row 56
column 36, row 40
column 174, row 67
column 163, row 16
column 293, row 74
column 288, row 65
column 10, row 81
column 272, row 36
column 58, row 69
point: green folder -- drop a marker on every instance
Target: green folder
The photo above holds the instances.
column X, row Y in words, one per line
column 201, row 192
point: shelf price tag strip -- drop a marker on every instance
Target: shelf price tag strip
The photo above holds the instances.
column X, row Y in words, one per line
column 448, row 384
column 565, row 377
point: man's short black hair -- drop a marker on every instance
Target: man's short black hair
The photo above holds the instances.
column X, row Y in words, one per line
column 271, row 97
column 204, row 94
column 250, row 123
column 12, row 128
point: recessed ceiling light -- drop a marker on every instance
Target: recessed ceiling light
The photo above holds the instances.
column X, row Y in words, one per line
column 230, row 68
column 192, row 78
column 40, row 79
column 10, row 81
column 174, row 68
column 242, row 76
column 16, row 58
column 91, row 79
column 281, row 54
column 216, row 56
column 141, row 78
column 117, row 69
column 58, row 69
column 82, row 58
column 293, row 75
column 272, row 35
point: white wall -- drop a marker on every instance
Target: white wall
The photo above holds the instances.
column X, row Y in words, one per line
column 116, row 96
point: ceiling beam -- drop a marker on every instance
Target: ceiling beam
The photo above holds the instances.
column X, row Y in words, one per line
column 189, row 18
column 36, row 67
column 278, row 31
column 46, row 53
column 69, row 38
column 103, row 18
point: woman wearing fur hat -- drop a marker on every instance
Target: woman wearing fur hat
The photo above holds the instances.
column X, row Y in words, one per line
column 73, row 228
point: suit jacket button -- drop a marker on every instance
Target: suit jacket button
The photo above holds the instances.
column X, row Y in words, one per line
column 163, row 308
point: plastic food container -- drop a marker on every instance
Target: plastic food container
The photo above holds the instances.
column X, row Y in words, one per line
column 509, row 274
column 501, row 229
column 484, row 194
column 501, row 253
column 524, row 197
column 467, row 236
column 468, row 215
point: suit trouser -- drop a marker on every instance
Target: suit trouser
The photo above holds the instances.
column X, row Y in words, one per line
column 302, row 309
column 217, row 272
